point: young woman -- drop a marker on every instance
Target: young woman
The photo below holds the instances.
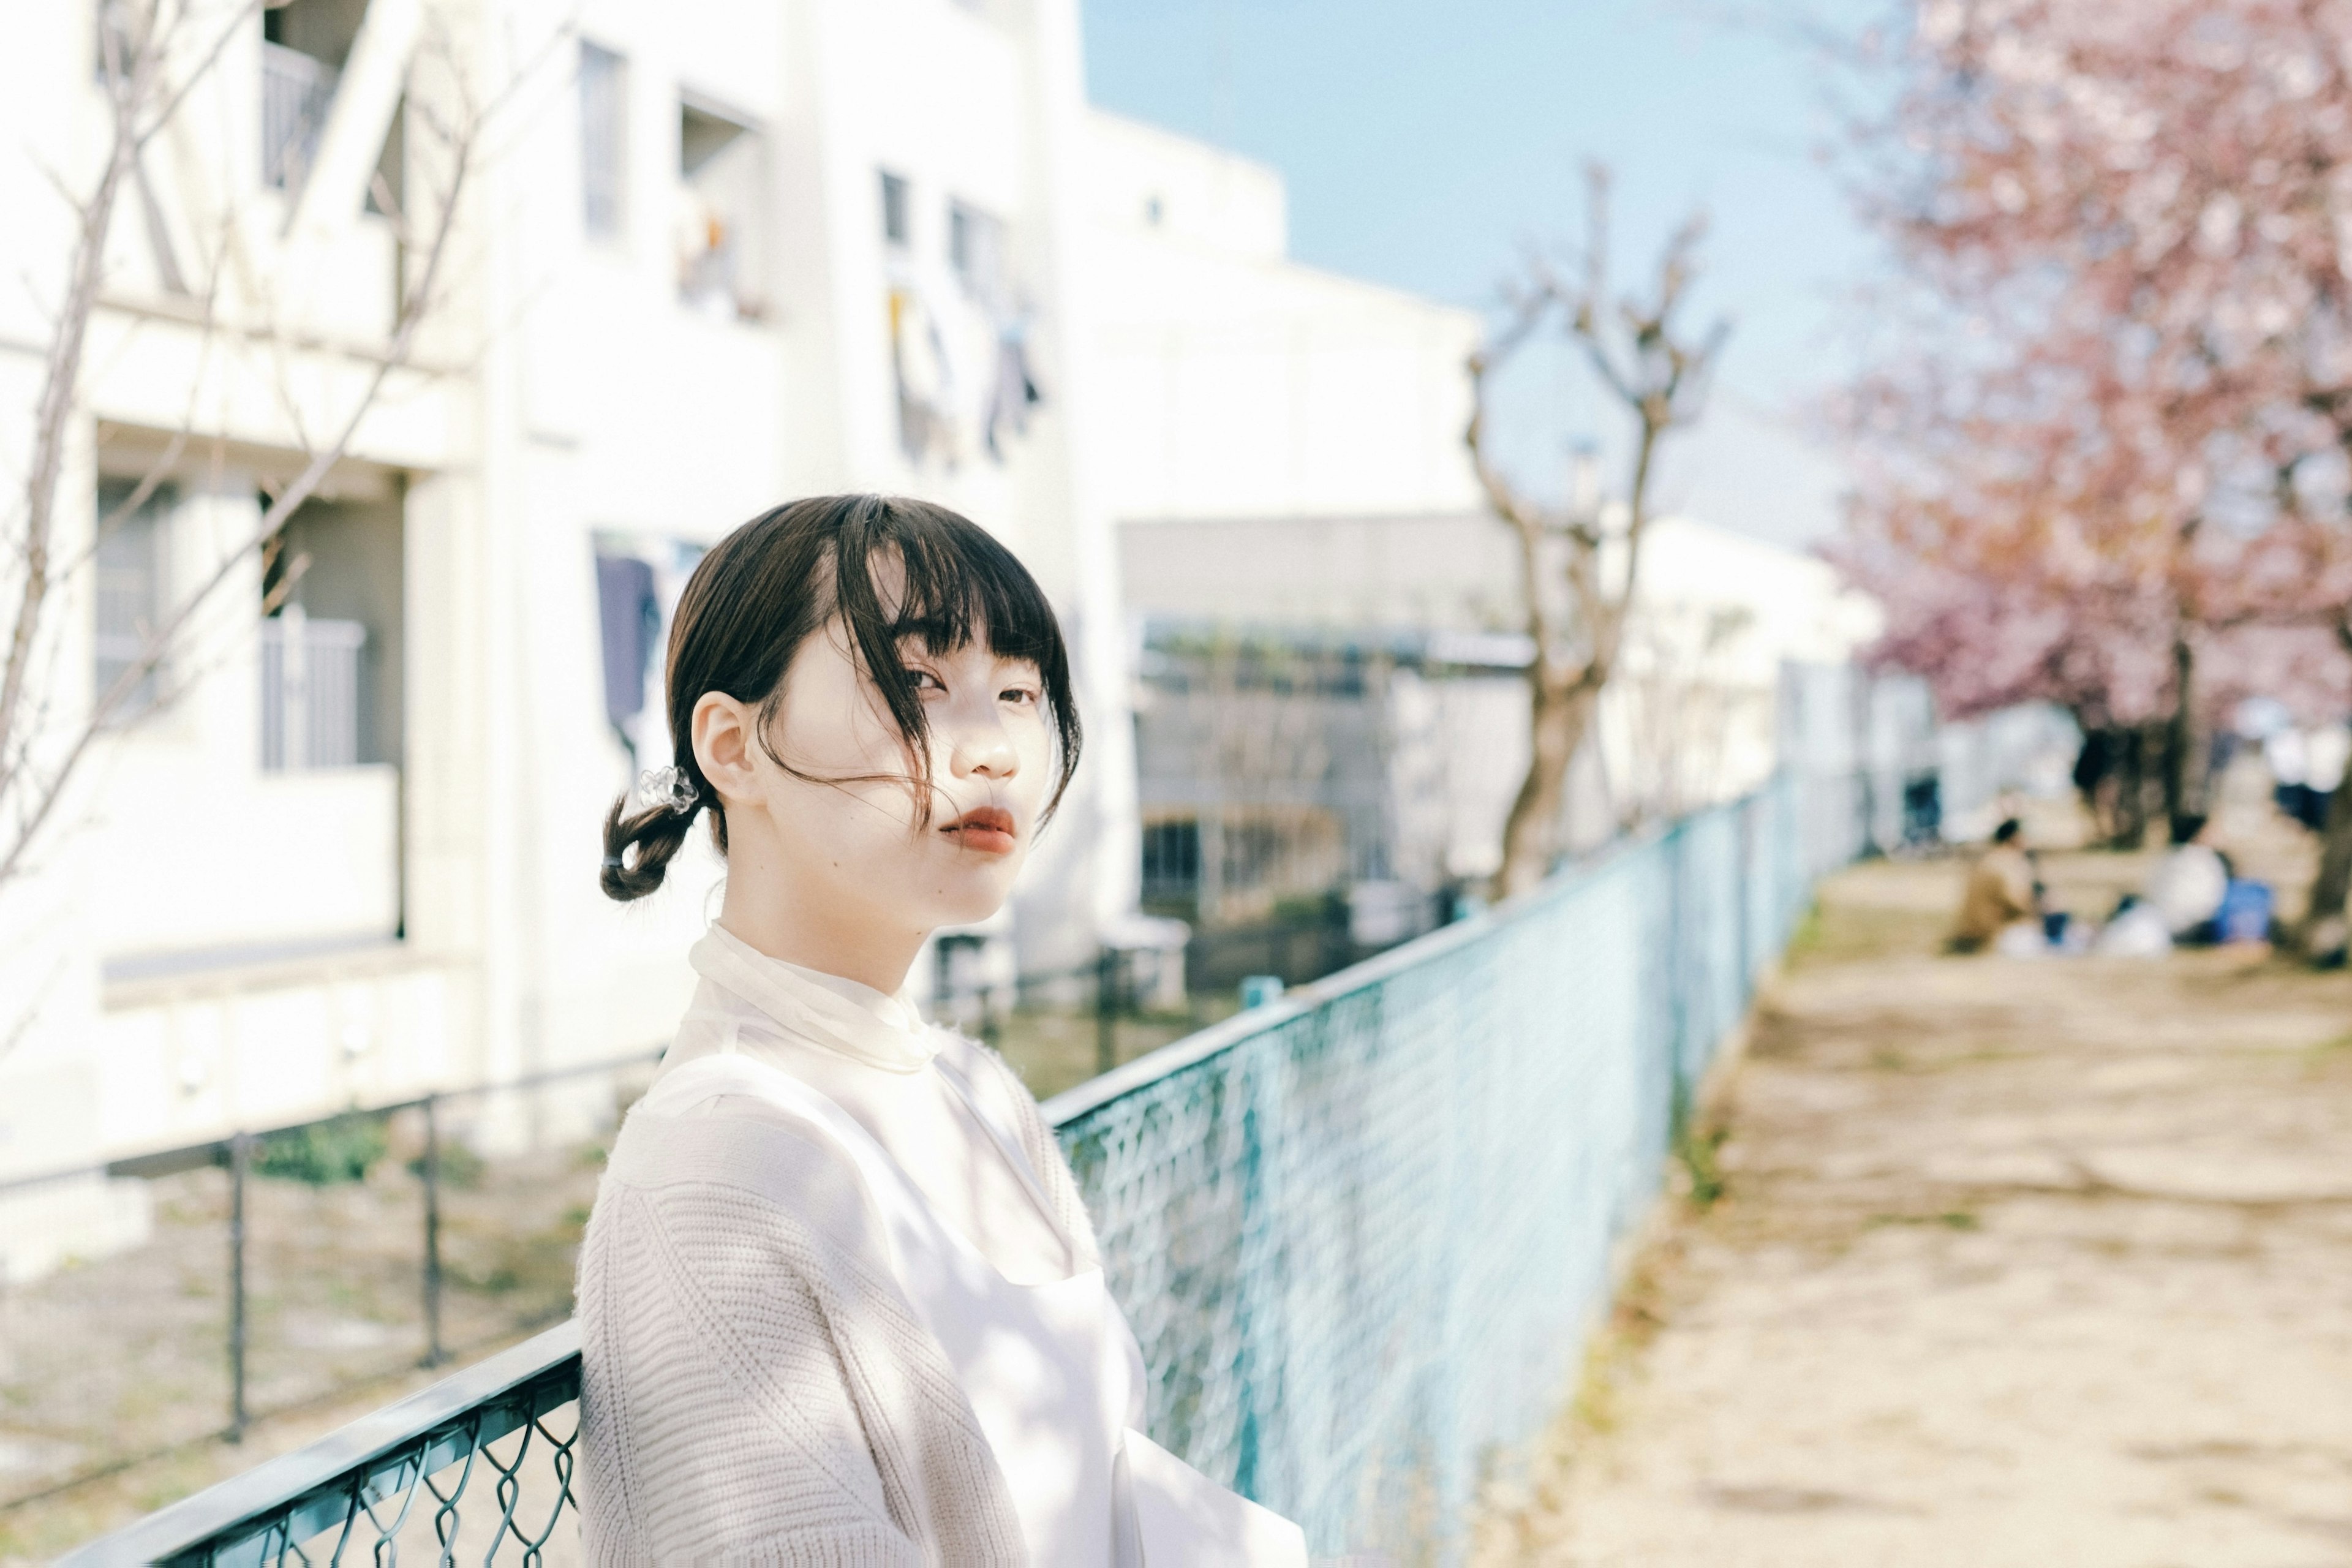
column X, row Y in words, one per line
column 839, row 1301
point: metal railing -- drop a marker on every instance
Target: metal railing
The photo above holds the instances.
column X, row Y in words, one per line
column 309, row 691
column 1359, row 1232
column 274, row 1269
column 296, row 93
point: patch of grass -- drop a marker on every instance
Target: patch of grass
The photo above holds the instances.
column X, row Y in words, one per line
column 1838, row 932
column 1806, row 940
column 1950, row 1220
column 1597, row 1407
column 1700, row 1150
column 1612, row 1356
column 497, row 1279
column 459, row 1166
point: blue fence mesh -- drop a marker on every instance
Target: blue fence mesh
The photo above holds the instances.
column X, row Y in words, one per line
column 1361, row 1240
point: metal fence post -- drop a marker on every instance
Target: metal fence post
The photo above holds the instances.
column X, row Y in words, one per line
column 1744, row 890
column 1105, row 1009
column 430, row 1169
column 240, row 1160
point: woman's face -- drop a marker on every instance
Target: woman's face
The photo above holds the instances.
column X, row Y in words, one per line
column 847, row 832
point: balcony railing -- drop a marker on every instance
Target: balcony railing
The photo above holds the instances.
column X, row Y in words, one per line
column 1358, row 1231
column 309, row 691
column 296, row 92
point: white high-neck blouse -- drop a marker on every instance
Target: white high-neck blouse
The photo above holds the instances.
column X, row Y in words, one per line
column 872, row 1055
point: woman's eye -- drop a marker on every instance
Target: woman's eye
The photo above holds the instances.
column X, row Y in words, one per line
column 1021, row 694
column 924, row 681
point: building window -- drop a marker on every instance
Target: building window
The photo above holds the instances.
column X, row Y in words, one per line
column 895, row 218
column 721, row 166
column 638, row 581
column 603, row 141
column 304, row 46
column 976, row 252
column 309, row 691
column 295, row 93
column 1171, row 860
column 332, row 636
column 128, row 578
column 114, row 37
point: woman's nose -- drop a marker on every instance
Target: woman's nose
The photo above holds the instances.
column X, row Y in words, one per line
column 980, row 748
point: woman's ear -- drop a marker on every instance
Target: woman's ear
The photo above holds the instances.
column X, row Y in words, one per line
column 724, row 737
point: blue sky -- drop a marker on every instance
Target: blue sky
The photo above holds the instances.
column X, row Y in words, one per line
column 1424, row 140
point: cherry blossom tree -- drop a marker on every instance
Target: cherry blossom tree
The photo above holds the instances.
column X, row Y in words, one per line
column 2122, row 463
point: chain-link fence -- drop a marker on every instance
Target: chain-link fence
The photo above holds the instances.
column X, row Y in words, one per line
column 1360, row 1234
column 283, row 1267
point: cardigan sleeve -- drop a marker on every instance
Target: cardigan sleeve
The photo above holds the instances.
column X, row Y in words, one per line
column 752, row 1389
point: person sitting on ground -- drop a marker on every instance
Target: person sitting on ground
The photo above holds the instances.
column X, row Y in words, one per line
column 2000, row 891
column 2135, row 930
column 2191, row 881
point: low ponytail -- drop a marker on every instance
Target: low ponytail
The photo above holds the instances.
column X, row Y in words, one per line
column 656, row 830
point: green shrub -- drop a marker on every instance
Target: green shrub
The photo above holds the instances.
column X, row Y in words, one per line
column 459, row 1166
column 323, row 1152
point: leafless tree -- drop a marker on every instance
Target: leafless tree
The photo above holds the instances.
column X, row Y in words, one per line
column 155, row 55
column 1635, row 348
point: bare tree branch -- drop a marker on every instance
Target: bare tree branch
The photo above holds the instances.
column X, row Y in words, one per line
column 1635, row 349
column 31, row 790
column 60, row 377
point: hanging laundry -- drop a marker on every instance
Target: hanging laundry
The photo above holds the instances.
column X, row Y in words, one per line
column 630, row 617
column 960, row 351
column 925, row 378
column 1013, row 390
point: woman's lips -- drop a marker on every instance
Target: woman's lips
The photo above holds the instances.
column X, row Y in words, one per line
column 988, row 829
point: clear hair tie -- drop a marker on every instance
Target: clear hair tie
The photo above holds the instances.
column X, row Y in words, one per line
column 668, row 788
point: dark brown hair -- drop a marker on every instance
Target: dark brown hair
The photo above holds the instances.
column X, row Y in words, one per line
column 756, row 597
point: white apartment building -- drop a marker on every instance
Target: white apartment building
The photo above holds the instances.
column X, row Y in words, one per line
column 713, row 255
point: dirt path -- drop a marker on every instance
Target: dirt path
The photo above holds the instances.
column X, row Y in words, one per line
column 2035, row 1264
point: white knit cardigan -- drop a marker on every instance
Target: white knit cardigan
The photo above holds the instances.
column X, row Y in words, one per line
column 755, row 1386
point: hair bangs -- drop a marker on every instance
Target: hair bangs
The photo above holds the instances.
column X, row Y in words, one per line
column 954, row 582
column 965, row 584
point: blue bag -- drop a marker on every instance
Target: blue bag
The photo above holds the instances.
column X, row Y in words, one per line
column 2245, row 913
